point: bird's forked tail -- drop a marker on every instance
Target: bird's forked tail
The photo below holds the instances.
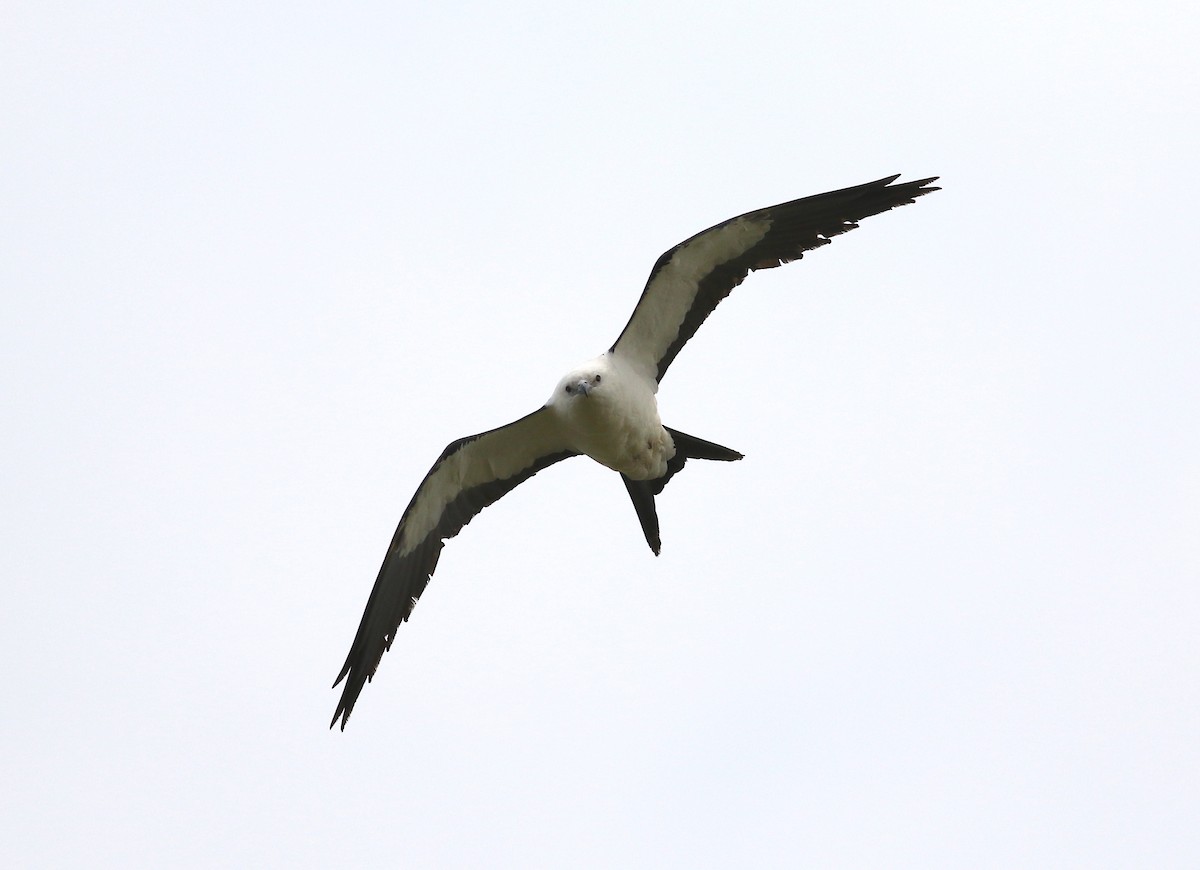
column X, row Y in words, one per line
column 642, row 492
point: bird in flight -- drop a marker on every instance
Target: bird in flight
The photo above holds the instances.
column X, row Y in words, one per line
column 605, row 408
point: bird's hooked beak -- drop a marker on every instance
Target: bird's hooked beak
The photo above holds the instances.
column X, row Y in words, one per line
column 584, row 387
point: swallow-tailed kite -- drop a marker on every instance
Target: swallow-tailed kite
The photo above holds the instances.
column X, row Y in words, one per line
column 605, row 408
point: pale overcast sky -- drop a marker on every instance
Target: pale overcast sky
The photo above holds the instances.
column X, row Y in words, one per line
column 262, row 262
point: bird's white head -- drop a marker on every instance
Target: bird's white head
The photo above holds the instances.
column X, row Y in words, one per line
column 585, row 382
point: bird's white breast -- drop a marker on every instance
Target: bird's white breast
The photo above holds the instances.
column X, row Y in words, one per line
column 617, row 423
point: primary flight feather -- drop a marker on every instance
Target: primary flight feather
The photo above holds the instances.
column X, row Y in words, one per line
column 605, row 408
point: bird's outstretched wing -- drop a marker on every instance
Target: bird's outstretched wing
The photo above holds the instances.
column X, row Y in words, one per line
column 470, row 474
column 691, row 279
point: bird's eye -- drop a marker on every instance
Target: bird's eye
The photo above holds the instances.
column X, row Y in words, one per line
column 597, row 379
column 568, row 389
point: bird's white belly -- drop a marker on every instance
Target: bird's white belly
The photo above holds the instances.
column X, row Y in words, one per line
column 639, row 451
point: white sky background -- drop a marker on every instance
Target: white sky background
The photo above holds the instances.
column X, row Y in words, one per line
column 260, row 264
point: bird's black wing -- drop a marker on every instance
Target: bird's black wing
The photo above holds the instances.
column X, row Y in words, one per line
column 471, row 474
column 691, row 279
